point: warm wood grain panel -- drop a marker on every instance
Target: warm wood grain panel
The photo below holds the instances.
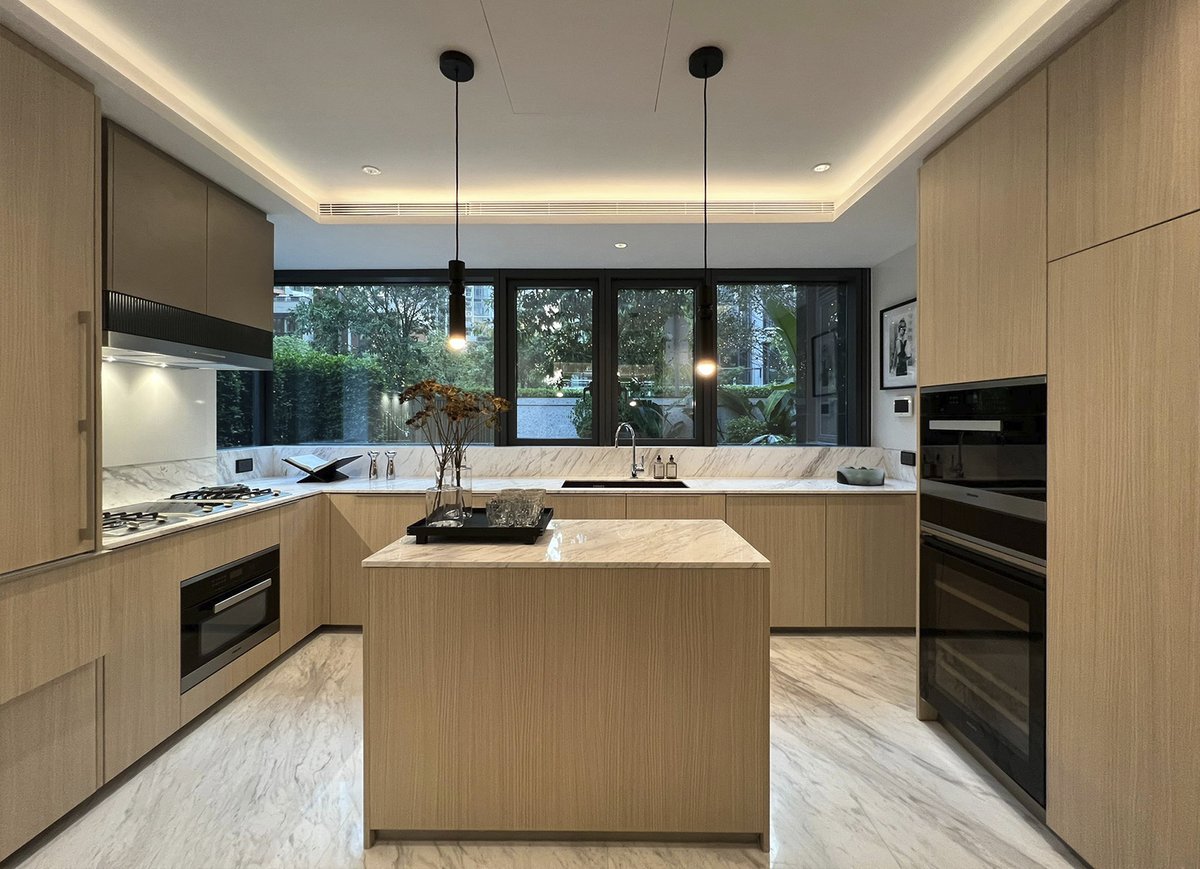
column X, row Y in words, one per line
column 567, row 700
column 570, row 506
column 870, row 562
column 1123, row 607
column 47, row 755
column 220, row 683
column 1125, row 125
column 157, row 224
column 790, row 531
column 52, row 623
column 48, row 304
column 241, row 261
column 141, row 673
column 982, row 259
column 360, row 525
column 303, row 569
column 675, row 506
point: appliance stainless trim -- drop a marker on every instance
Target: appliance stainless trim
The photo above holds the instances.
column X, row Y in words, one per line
column 234, row 600
column 965, row 424
column 985, row 384
column 985, row 547
column 1014, row 505
column 194, row 678
column 138, row 349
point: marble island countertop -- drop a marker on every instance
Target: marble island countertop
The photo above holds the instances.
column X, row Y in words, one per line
column 592, row 543
column 291, row 489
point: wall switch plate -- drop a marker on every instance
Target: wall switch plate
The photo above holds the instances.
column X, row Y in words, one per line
column 243, row 466
column 908, row 457
column 902, row 405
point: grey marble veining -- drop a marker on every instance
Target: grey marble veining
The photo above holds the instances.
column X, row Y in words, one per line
column 274, row 779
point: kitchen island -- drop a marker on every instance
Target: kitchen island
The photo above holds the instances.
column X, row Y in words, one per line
column 609, row 681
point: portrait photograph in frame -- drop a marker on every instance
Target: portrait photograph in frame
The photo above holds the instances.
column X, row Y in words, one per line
column 898, row 346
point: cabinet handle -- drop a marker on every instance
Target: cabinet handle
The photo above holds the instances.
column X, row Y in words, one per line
column 87, row 529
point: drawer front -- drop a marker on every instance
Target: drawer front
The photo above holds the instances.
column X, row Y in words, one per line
column 675, row 506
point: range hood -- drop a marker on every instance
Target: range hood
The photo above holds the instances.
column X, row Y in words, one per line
column 143, row 332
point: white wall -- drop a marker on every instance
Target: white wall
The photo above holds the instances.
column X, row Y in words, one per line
column 157, row 414
column 892, row 281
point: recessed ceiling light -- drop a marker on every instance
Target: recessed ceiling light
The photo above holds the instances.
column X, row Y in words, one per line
column 620, row 245
column 372, row 170
column 822, row 167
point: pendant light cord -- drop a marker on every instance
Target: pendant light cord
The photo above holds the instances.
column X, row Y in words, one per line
column 456, row 208
column 706, row 275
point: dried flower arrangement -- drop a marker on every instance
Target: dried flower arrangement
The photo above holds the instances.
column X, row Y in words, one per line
column 451, row 418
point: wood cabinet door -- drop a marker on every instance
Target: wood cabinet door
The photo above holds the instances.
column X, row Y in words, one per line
column 675, row 506
column 157, row 223
column 360, row 525
column 1123, row 525
column 571, row 506
column 1125, row 125
column 303, row 569
column 982, row 256
column 48, row 294
column 241, row 261
column 790, row 531
column 870, row 562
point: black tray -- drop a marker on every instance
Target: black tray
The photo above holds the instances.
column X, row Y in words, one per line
column 477, row 529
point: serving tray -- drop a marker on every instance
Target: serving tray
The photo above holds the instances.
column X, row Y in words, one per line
column 475, row 528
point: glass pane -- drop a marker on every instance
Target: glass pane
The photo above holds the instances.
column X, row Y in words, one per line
column 554, row 363
column 654, row 361
column 236, row 394
column 344, row 354
column 782, row 349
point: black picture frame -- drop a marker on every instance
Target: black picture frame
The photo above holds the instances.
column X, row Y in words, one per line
column 824, row 348
column 909, row 378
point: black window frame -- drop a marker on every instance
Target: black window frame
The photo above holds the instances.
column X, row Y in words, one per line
column 605, row 390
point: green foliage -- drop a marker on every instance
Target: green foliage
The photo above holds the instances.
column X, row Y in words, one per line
column 320, row 396
column 773, row 416
column 743, row 429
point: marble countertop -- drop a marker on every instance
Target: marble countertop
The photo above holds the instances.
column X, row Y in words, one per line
column 604, row 543
column 290, row 489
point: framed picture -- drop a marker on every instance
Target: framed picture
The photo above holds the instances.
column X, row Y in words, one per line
column 824, row 364
column 898, row 346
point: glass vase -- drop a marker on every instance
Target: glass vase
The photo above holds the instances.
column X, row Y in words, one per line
column 462, row 479
column 444, row 506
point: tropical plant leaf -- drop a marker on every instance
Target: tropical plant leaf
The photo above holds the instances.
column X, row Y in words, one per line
column 784, row 317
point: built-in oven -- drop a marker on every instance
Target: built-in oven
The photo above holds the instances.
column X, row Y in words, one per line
column 226, row 612
column 983, row 570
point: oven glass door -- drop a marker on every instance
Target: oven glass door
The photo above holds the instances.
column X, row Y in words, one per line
column 983, row 656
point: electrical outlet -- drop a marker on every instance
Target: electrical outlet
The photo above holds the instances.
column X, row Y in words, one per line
column 908, row 457
column 243, row 466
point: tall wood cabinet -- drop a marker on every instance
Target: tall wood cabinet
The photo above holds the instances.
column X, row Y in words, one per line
column 982, row 253
column 1125, row 125
column 48, row 301
column 1123, row 626
column 303, row 569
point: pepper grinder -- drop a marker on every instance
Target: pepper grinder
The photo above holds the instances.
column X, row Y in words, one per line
column 391, row 465
column 373, row 469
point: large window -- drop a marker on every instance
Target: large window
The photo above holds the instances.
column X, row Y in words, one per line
column 577, row 352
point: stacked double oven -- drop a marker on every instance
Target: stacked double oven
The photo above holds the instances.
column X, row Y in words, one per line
column 983, row 570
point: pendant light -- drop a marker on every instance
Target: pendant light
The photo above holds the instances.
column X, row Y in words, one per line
column 457, row 67
column 703, row 64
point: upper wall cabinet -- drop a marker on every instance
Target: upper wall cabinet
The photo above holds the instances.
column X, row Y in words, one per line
column 156, row 214
column 1125, row 125
column 174, row 237
column 982, row 255
column 241, row 261
column 48, row 234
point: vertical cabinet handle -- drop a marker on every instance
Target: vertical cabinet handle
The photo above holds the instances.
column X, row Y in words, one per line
column 87, row 528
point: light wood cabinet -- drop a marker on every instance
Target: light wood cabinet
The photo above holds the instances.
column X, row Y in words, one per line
column 303, row 569
column 48, row 755
column 675, row 506
column 156, row 213
column 572, row 506
column 48, row 299
column 1123, row 620
column 142, row 669
column 870, row 562
column 790, row 532
column 241, row 261
column 1125, row 125
column 358, row 526
column 982, row 254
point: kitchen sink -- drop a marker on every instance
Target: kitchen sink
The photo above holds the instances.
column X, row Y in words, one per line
column 624, row 484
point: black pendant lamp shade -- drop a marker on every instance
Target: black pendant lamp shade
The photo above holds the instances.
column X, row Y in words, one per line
column 457, row 67
column 704, row 63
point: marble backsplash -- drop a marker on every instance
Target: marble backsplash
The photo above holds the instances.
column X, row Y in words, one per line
column 129, row 484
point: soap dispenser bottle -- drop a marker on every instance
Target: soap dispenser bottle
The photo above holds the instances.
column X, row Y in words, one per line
column 672, row 468
column 659, row 468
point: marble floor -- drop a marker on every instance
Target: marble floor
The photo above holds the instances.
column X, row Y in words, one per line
column 273, row 779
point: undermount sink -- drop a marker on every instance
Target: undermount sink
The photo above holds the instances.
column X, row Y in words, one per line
column 624, row 484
